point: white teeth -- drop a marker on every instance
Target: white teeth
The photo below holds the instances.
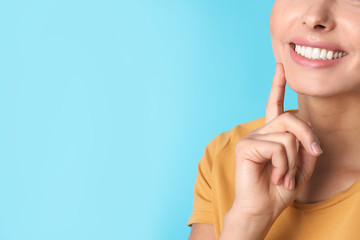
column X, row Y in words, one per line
column 317, row 53
column 308, row 51
column 303, row 51
column 323, row 54
column 329, row 55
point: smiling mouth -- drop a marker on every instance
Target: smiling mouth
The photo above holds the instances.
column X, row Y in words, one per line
column 315, row 53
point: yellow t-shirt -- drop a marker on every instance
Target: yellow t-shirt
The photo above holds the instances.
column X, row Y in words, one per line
column 335, row 218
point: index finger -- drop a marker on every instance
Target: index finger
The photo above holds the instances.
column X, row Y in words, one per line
column 275, row 103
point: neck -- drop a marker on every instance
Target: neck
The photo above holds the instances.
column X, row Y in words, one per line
column 336, row 123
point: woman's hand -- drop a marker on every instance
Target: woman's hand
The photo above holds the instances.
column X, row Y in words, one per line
column 273, row 163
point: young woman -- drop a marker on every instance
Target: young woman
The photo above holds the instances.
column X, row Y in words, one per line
column 293, row 174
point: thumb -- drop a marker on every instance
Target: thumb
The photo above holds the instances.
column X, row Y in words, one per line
column 306, row 167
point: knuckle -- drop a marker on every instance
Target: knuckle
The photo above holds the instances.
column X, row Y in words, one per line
column 242, row 148
column 290, row 139
column 279, row 148
column 287, row 115
column 253, row 133
column 240, row 144
column 279, row 103
column 309, row 133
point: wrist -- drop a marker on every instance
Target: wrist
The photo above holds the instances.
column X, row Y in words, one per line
column 238, row 225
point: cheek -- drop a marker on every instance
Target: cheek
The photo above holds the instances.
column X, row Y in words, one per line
column 275, row 28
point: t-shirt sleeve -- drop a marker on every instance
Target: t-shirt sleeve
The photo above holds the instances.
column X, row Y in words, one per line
column 202, row 203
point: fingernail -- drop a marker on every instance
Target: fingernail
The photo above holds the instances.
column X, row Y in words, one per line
column 291, row 185
column 316, row 147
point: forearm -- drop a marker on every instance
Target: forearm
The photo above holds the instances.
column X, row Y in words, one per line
column 238, row 227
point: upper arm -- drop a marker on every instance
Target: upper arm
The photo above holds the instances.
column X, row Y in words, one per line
column 203, row 203
column 202, row 231
column 202, row 217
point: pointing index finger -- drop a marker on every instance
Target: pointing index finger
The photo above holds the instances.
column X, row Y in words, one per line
column 275, row 103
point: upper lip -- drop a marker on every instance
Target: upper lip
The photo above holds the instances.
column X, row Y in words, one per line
column 320, row 44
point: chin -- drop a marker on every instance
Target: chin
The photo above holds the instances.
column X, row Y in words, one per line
column 313, row 87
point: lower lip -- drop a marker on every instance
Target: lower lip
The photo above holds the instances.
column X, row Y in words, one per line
column 313, row 63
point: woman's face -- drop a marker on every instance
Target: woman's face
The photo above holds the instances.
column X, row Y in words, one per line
column 331, row 21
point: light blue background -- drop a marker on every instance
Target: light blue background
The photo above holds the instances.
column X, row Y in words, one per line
column 106, row 108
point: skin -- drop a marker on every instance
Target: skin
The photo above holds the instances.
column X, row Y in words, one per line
column 329, row 110
column 332, row 106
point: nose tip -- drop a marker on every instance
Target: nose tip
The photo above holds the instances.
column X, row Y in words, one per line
column 318, row 17
column 317, row 25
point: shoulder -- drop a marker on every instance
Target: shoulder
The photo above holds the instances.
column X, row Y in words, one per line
column 229, row 138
